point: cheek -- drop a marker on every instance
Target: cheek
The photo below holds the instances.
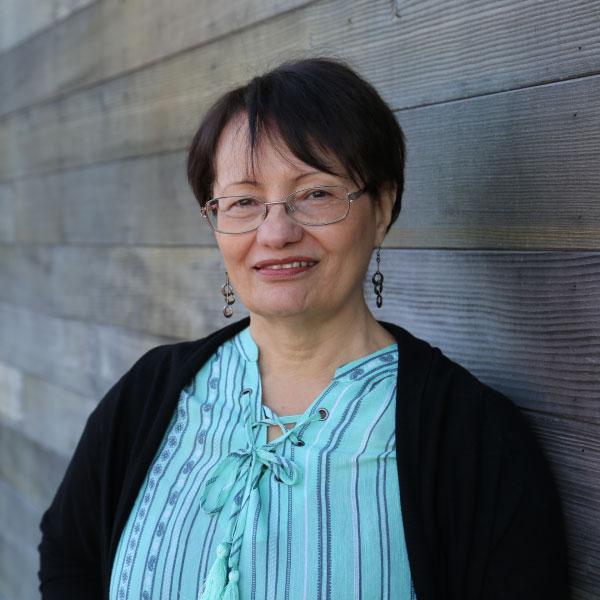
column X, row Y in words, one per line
column 233, row 250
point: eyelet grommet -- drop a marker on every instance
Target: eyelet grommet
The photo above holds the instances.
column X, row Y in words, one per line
column 298, row 443
column 324, row 413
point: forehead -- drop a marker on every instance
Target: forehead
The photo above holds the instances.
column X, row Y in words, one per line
column 272, row 158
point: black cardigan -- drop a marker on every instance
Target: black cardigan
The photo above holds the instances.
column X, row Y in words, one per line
column 482, row 517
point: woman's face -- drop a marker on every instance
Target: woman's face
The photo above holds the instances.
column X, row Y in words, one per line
column 337, row 255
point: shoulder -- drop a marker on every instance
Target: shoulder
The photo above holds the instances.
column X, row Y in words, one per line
column 450, row 400
column 159, row 375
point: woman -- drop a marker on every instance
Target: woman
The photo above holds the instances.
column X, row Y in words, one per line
column 309, row 451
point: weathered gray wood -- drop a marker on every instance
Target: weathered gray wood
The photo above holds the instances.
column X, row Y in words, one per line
column 19, row 537
column 579, row 594
column 18, row 571
column 113, row 37
column 85, row 358
column 442, row 50
column 30, row 469
column 515, row 170
column 137, row 201
column 8, row 206
column 573, row 447
column 486, row 201
column 11, row 384
column 527, row 323
column 178, row 288
column 155, row 109
column 45, row 413
column 21, row 19
column 20, row 518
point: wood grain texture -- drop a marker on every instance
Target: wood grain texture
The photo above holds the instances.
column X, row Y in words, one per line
column 444, row 50
column 48, row 414
column 8, row 207
column 22, row 19
column 29, row 477
column 85, row 358
column 514, row 170
column 113, row 37
column 573, row 447
column 18, row 571
column 527, row 323
column 21, row 527
column 155, row 109
column 11, row 391
column 136, row 201
column 151, row 110
column 178, row 288
column 30, row 469
column 529, row 182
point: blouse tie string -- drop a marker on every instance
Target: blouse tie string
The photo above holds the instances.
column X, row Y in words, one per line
column 242, row 469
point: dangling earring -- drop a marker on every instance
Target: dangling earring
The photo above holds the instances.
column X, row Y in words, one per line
column 377, row 280
column 229, row 296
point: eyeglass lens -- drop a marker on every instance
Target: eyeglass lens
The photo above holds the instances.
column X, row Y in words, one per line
column 314, row 206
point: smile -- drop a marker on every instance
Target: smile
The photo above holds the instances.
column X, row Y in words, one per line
column 285, row 267
column 290, row 265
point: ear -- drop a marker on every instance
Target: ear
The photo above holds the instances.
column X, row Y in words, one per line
column 383, row 211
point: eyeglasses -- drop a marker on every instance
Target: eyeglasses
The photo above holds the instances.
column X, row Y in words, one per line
column 322, row 205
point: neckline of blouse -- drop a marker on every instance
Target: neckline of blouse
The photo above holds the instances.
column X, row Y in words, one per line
column 351, row 370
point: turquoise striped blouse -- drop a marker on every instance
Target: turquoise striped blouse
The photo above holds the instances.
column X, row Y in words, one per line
column 315, row 513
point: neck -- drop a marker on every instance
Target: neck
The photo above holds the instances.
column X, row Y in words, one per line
column 312, row 348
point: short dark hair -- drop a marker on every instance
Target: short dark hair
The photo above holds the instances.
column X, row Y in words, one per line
column 317, row 106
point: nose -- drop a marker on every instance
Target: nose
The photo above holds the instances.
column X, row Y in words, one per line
column 278, row 229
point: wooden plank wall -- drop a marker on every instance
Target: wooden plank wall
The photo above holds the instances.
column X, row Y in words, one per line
column 103, row 254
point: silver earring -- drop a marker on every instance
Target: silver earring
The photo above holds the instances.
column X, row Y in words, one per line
column 377, row 280
column 229, row 296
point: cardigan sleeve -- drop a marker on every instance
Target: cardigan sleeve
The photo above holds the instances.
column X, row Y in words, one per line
column 528, row 557
column 69, row 549
column 74, row 527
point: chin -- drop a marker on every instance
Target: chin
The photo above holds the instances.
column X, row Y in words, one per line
column 274, row 306
column 276, row 310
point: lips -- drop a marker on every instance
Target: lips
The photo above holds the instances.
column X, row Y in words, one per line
column 293, row 262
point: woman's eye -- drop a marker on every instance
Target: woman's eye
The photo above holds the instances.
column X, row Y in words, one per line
column 246, row 202
column 239, row 204
column 318, row 194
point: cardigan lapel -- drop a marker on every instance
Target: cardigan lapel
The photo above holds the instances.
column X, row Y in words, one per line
column 415, row 359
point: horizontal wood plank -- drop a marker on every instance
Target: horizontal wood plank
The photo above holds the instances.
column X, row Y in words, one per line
column 113, row 37
column 135, row 201
column 48, row 414
column 444, row 50
column 22, row 527
column 22, row 19
column 8, row 211
column 11, row 386
column 30, row 469
column 527, row 324
column 85, row 358
column 514, row 170
column 490, row 311
column 573, row 448
column 156, row 109
column 529, row 183
column 172, row 292
column 18, row 571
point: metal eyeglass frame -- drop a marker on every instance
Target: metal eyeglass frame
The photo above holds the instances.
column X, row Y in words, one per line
column 350, row 198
